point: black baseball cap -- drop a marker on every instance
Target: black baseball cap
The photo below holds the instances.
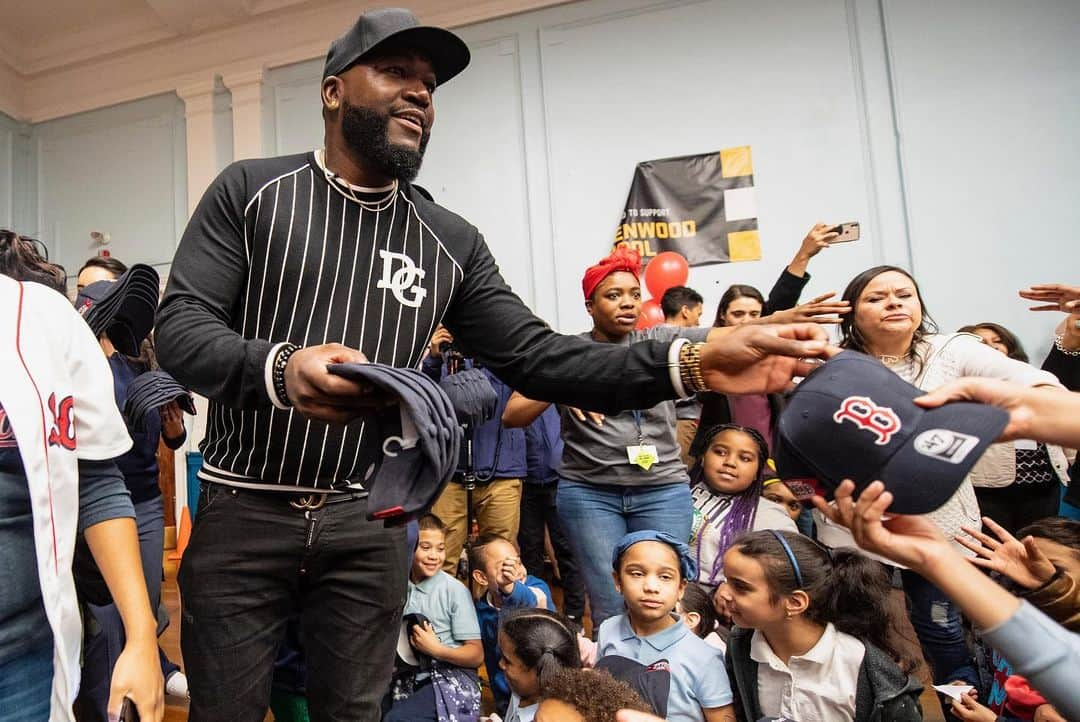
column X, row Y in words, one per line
column 377, row 29
column 853, row 418
column 123, row 309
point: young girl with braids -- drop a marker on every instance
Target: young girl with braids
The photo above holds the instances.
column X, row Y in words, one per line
column 535, row 644
column 813, row 638
column 725, row 489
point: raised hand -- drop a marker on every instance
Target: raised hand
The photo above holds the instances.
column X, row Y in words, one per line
column 1019, row 560
column 1053, row 297
column 763, row 359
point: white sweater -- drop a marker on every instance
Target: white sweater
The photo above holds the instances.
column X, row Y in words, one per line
column 945, row 358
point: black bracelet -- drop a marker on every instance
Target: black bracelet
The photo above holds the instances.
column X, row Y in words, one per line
column 278, row 372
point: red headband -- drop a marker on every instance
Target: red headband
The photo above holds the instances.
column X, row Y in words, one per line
column 622, row 258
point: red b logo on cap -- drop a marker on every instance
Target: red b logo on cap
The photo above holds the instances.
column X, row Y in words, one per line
column 864, row 413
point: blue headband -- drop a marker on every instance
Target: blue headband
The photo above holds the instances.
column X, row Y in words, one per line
column 790, row 555
column 687, row 565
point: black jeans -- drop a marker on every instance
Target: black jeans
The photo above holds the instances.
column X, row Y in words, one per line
column 252, row 561
column 537, row 511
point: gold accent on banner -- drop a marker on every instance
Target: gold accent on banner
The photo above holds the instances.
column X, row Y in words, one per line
column 744, row 246
column 735, row 162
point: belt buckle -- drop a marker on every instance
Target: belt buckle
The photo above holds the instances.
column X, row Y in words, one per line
column 309, row 502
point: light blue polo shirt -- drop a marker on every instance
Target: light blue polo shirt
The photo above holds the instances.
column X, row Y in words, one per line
column 447, row 603
column 698, row 677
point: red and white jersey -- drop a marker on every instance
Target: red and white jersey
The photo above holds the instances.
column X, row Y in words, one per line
column 57, row 393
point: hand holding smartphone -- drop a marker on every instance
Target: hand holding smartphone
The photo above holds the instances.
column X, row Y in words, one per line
column 847, row 232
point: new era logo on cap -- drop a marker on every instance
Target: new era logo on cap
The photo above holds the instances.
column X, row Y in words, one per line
column 855, row 419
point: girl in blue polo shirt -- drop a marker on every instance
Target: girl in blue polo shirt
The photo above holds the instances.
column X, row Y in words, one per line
column 651, row 569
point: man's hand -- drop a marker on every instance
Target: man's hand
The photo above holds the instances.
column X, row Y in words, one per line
column 1021, row 561
column 320, row 395
column 441, row 336
column 137, row 675
column 762, row 359
column 1054, row 297
column 817, row 310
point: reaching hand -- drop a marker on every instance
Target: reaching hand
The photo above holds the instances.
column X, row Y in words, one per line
column 1021, row 561
column 1054, row 297
column 763, row 359
column 817, row 310
column 172, row 420
column 320, row 395
column 817, row 239
column 967, row 708
column 137, row 675
column 1004, row 394
column 908, row 540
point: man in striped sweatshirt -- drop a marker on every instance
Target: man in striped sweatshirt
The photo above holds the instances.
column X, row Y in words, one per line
column 291, row 263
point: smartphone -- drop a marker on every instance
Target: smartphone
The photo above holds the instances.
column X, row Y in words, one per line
column 848, row 232
column 128, row 713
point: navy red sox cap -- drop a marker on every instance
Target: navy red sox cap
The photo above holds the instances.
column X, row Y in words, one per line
column 420, row 441
column 855, row 419
column 378, row 29
column 123, row 309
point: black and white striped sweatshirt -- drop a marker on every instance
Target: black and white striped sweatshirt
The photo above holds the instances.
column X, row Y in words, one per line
column 276, row 252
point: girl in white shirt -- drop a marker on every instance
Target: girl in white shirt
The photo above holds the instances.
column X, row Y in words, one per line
column 814, row 640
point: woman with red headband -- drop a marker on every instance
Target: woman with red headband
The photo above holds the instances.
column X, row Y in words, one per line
column 619, row 473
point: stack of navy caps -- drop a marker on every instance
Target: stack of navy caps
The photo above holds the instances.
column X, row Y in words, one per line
column 471, row 394
column 123, row 310
column 421, row 441
column 152, row 390
column 853, row 418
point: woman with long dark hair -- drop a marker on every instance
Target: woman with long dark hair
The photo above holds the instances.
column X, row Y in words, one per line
column 1016, row 482
column 889, row 321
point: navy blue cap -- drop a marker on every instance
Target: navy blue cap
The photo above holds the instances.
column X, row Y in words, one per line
column 687, row 565
column 420, row 441
column 122, row 310
column 473, row 397
column 152, row 390
column 377, row 29
column 853, row 418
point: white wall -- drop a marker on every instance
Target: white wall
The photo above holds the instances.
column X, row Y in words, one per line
column 945, row 128
column 16, row 181
column 120, row 170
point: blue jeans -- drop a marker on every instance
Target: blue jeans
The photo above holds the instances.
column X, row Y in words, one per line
column 595, row 517
column 26, row 685
column 937, row 625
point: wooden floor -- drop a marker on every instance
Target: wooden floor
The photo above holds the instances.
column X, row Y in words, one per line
column 176, row 709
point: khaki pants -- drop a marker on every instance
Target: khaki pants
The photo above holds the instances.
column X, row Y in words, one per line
column 497, row 506
column 685, row 430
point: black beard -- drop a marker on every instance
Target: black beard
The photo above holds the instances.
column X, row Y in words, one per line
column 366, row 133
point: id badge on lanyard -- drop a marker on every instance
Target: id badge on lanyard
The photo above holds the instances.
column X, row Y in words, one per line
column 641, row 454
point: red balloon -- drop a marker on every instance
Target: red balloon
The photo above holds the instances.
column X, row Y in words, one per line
column 666, row 270
column 651, row 315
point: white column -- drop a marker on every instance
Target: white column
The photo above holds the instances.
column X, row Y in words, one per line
column 202, row 150
column 202, row 168
column 246, row 87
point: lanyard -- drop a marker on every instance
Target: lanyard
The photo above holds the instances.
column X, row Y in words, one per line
column 637, row 423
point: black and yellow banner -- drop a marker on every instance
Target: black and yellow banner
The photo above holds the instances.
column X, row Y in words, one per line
column 700, row 206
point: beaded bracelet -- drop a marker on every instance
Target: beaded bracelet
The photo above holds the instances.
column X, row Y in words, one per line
column 278, row 372
column 690, row 367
